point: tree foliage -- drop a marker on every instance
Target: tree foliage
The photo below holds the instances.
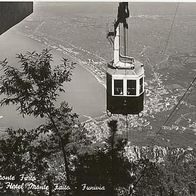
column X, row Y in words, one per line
column 23, row 155
column 34, row 86
column 105, row 167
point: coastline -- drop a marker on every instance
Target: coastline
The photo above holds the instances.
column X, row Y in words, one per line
column 62, row 49
column 86, row 105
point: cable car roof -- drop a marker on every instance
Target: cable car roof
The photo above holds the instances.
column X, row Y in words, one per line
column 135, row 69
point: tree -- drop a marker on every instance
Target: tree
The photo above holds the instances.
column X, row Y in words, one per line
column 23, row 156
column 104, row 166
column 147, row 178
column 179, row 171
column 174, row 175
column 34, row 87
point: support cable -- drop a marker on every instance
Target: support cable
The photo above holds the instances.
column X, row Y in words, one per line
column 168, row 118
column 167, row 41
column 176, row 107
column 166, row 45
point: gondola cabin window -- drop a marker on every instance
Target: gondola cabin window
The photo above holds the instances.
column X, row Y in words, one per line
column 141, row 85
column 127, row 86
column 131, row 87
column 118, row 87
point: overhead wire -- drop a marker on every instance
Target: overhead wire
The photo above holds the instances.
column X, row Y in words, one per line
column 191, row 83
column 167, row 41
column 170, row 31
column 179, row 102
column 164, row 50
column 168, row 118
column 166, row 45
column 176, row 106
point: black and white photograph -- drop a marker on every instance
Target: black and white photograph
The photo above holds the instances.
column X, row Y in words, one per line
column 97, row 98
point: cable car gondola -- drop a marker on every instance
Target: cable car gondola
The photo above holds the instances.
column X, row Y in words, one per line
column 125, row 75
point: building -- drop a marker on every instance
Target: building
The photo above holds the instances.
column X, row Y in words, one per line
column 12, row 13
